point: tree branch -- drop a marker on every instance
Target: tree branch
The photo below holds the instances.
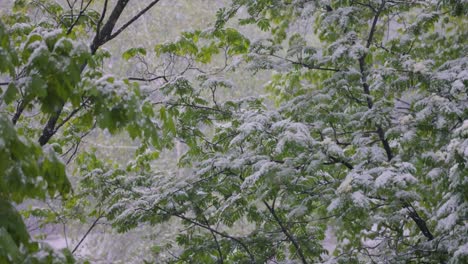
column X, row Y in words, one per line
column 87, row 233
column 82, row 10
column 344, row 162
column 285, row 230
column 209, row 228
column 365, row 85
column 101, row 19
column 100, row 39
column 148, row 79
column 77, row 145
column 103, row 36
column 133, row 19
column 72, row 113
column 413, row 214
column 200, row 107
column 218, row 247
column 49, row 129
column 308, row 66
column 19, row 110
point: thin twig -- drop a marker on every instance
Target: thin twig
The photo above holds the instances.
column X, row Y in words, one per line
column 80, row 14
column 87, row 233
column 148, row 79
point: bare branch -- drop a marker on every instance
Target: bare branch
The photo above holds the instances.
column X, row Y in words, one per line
column 419, row 221
column 87, row 233
column 101, row 19
column 80, row 14
column 148, row 79
column 19, row 110
column 72, row 113
column 49, row 129
column 133, row 19
column 103, row 36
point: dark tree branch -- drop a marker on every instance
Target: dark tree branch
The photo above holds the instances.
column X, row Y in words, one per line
column 218, row 246
column 380, row 132
column 308, row 66
column 370, row 38
column 72, row 113
column 386, row 145
column 421, row 223
column 344, row 162
column 200, row 107
column 209, row 228
column 49, row 129
column 19, row 110
column 313, row 67
column 100, row 39
column 87, row 233
column 77, row 145
column 365, row 85
column 103, row 36
column 286, row 232
column 101, row 19
column 148, row 79
column 133, row 19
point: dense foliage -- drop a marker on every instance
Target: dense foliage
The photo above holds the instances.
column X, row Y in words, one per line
column 366, row 142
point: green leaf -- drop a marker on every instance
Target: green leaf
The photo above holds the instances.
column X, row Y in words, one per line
column 12, row 223
column 10, row 94
column 171, row 125
column 130, row 53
